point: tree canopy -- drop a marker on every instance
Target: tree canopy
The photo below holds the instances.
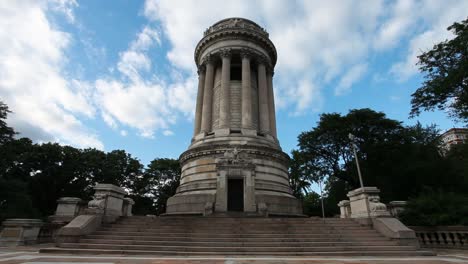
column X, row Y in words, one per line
column 400, row 160
column 446, row 76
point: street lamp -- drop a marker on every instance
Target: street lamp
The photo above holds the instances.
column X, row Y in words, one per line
column 321, row 199
column 353, row 144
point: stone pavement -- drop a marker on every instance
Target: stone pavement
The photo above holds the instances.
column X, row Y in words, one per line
column 29, row 255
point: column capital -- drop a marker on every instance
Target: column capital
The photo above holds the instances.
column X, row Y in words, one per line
column 270, row 70
column 225, row 53
column 261, row 59
column 201, row 69
column 246, row 53
column 209, row 58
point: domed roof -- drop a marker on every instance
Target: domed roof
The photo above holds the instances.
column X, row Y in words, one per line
column 236, row 27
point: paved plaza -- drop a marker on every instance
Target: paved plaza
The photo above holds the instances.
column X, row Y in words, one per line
column 30, row 255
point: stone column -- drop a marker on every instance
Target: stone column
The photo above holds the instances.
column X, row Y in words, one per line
column 207, row 96
column 224, row 110
column 263, row 115
column 246, row 111
column 271, row 103
column 199, row 107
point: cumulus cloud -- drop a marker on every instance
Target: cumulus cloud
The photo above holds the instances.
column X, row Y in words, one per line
column 316, row 40
column 145, row 104
column 319, row 42
column 46, row 105
column 349, row 78
column 436, row 16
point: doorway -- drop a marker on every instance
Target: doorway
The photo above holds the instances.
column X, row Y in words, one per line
column 236, row 195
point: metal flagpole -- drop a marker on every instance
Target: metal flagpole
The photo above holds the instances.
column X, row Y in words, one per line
column 321, row 199
column 353, row 144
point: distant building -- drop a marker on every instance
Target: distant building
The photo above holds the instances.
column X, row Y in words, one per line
column 453, row 136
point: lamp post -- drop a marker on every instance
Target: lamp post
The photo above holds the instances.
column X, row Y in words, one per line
column 353, row 144
column 321, row 199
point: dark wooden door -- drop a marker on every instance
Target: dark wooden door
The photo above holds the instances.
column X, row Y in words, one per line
column 236, row 195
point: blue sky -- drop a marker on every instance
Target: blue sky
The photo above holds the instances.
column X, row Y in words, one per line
column 120, row 74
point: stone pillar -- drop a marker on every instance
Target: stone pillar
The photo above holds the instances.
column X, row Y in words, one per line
column 207, row 96
column 18, row 232
column 271, row 103
column 370, row 195
column 263, row 115
column 127, row 206
column 345, row 209
column 246, row 92
column 199, row 107
column 224, row 109
column 67, row 209
column 108, row 200
column 221, row 191
column 396, row 207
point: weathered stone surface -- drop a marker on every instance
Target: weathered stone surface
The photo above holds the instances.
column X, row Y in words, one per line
column 365, row 203
column 17, row 231
column 237, row 141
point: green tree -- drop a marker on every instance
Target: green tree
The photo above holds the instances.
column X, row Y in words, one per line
column 446, row 76
column 159, row 182
column 6, row 132
column 399, row 160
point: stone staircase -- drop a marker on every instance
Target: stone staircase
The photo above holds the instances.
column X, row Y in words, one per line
column 233, row 236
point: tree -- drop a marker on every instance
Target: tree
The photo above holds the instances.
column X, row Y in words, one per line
column 6, row 132
column 399, row 160
column 446, row 76
column 159, row 182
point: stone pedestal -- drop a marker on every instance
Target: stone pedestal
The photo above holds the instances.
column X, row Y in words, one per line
column 108, row 201
column 345, row 209
column 396, row 207
column 67, row 209
column 17, row 232
column 127, row 207
column 365, row 203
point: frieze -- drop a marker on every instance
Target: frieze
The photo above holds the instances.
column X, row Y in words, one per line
column 265, row 43
column 235, row 23
column 219, row 150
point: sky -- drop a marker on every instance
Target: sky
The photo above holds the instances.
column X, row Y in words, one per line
column 120, row 74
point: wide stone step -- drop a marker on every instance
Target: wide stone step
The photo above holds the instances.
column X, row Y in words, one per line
column 234, row 239
column 237, row 248
column 234, row 229
column 402, row 253
column 241, row 234
column 270, row 226
column 238, row 243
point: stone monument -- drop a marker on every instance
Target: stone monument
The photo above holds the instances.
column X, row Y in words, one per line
column 235, row 162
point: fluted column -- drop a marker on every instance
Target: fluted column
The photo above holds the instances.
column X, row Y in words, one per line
column 207, row 96
column 224, row 112
column 246, row 111
column 271, row 103
column 263, row 115
column 199, row 107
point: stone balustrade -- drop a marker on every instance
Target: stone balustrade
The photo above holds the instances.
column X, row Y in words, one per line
column 455, row 237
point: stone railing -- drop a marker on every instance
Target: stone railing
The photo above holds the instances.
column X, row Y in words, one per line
column 442, row 236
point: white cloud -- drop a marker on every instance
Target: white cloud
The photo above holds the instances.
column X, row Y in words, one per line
column 349, row 78
column 147, row 105
column 436, row 16
column 168, row 133
column 46, row 105
column 401, row 19
column 123, row 133
column 316, row 40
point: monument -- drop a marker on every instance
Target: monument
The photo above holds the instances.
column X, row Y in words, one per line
column 235, row 162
